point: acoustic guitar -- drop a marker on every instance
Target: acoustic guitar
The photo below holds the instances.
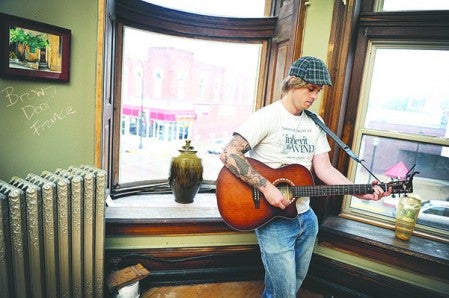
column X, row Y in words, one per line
column 244, row 208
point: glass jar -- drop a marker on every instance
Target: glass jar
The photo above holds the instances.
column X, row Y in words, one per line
column 406, row 215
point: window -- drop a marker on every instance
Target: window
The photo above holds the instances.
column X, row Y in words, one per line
column 189, row 77
column 402, row 115
column 180, row 109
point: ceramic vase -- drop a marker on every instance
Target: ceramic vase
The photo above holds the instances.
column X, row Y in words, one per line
column 186, row 174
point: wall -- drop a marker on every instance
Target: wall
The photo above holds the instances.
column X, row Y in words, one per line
column 24, row 103
column 317, row 33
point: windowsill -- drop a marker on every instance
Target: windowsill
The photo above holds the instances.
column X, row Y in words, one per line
column 162, row 215
column 379, row 244
column 162, row 206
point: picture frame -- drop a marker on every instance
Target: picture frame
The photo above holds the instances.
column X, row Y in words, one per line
column 31, row 49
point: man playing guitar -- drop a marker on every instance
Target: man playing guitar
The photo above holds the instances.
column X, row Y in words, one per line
column 277, row 135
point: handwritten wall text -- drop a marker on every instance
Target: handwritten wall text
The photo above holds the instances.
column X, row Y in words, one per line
column 36, row 106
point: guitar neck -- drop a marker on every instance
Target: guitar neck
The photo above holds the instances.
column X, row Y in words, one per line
column 327, row 190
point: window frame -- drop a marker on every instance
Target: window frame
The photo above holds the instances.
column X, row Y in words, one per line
column 281, row 34
column 135, row 13
column 359, row 27
column 361, row 131
column 163, row 20
column 281, row 49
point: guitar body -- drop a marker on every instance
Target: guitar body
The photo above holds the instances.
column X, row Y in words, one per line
column 235, row 198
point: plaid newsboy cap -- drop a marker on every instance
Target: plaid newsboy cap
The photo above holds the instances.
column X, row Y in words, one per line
column 311, row 70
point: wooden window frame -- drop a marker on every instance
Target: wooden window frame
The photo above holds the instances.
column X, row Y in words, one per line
column 279, row 35
column 354, row 24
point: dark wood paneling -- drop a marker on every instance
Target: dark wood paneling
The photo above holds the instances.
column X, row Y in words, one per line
column 169, row 21
column 190, row 265
column 176, row 266
column 337, row 279
column 286, row 45
column 380, row 245
column 335, row 99
column 151, row 226
column 419, row 255
column 400, row 19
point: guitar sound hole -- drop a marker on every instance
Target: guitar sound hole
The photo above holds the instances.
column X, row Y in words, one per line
column 286, row 190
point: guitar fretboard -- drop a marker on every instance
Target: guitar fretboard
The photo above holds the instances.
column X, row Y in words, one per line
column 327, row 190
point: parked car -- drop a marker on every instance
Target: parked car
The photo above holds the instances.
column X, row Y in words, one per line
column 434, row 213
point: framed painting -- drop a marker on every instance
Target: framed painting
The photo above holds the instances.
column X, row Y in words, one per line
column 33, row 49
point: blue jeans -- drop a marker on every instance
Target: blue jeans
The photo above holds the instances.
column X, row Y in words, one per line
column 286, row 248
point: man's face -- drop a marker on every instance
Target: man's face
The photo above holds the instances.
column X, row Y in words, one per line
column 304, row 97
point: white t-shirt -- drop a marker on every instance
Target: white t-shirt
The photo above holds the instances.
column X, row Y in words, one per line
column 278, row 138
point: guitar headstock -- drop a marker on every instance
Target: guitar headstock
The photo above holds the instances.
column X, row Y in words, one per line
column 403, row 186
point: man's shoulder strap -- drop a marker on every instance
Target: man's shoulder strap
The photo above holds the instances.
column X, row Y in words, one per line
column 332, row 135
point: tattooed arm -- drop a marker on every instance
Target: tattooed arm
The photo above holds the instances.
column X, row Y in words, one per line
column 233, row 157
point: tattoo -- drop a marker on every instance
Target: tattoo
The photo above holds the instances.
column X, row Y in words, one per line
column 240, row 143
column 235, row 161
column 242, row 164
column 244, row 171
column 234, row 170
column 262, row 182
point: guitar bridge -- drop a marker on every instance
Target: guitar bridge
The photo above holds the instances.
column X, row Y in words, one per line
column 256, row 198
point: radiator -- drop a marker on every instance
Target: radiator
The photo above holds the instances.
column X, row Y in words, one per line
column 52, row 234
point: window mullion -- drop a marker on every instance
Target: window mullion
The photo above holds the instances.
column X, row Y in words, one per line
column 403, row 136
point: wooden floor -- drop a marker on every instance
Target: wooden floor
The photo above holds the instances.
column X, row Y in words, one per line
column 247, row 289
